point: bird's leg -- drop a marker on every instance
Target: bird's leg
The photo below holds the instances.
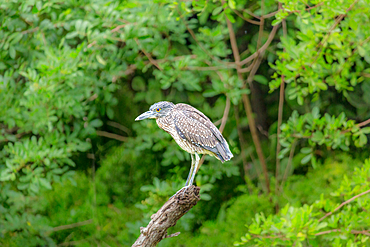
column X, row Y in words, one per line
column 189, row 176
column 191, row 170
column 195, row 169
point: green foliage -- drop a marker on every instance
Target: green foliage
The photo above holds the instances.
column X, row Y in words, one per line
column 107, row 219
column 326, row 221
column 325, row 51
column 75, row 74
column 333, row 132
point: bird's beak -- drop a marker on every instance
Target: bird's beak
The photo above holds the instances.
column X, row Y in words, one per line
column 148, row 114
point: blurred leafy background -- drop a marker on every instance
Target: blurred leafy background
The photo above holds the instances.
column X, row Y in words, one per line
column 287, row 80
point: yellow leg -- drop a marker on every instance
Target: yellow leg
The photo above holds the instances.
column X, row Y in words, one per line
column 191, row 170
column 195, row 169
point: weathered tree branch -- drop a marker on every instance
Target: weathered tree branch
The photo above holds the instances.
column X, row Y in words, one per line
column 167, row 216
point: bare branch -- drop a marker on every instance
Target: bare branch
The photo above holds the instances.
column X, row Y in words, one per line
column 194, row 37
column 363, row 123
column 111, row 135
column 246, row 19
column 263, row 48
column 243, row 145
column 343, row 204
column 228, row 66
column 70, row 226
column 321, row 43
column 290, row 160
column 269, row 15
column 226, row 114
column 363, row 232
column 247, row 105
column 152, row 61
column 280, row 119
column 167, row 216
column 120, row 127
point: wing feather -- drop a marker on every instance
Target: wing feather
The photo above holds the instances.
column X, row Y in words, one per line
column 194, row 126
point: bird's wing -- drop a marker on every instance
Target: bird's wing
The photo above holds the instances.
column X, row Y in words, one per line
column 195, row 127
column 194, row 113
column 191, row 129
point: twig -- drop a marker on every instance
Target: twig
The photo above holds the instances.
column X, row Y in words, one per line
column 292, row 149
column 246, row 19
column 167, row 216
column 269, row 15
column 247, row 105
column 211, row 67
column 363, row 232
column 344, row 203
column 70, row 226
column 243, row 145
column 17, row 136
column 131, row 68
column 280, row 117
column 163, row 60
column 120, row 127
column 246, row 70
column 225, row 115
column 117, row 28
column 337, row 21
column 194, row 37
column 152, row 61
column 359, row 125
column 72, row 243
column 30, row 30
column 263, row 48
column 111, row 135
column 363, row 123
column 283, row 237
column 262, row 23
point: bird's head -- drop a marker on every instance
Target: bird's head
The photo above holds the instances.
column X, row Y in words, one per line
column 157, row 110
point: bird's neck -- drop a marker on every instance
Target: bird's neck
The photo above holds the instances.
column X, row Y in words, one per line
column 165, row 123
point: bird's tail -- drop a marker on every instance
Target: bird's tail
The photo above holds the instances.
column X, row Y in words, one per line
column 224, row 153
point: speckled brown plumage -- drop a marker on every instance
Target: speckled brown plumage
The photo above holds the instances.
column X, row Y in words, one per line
column 192, row 131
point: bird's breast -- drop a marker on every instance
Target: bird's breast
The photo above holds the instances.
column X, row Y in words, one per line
column 168, row 125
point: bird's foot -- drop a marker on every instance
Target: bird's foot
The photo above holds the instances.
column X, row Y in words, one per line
column 182, row 191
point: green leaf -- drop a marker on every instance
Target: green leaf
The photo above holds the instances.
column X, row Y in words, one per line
column 306, row 159
column 230, row 17
column 217, row 10
column 34, row 9
column 306, row 150
column 45, row 183
column 71, row 35
column 261, row 79
column 96, row 123
column 318, row 136
column 232, row 4
column 362, row 140
column 276, row 22
column 12, row 52
column 361, row 51
column 101, row 60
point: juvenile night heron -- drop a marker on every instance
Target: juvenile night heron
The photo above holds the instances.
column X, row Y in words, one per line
column 192, row 131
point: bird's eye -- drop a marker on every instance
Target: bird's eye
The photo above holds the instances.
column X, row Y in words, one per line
column 158, row 109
